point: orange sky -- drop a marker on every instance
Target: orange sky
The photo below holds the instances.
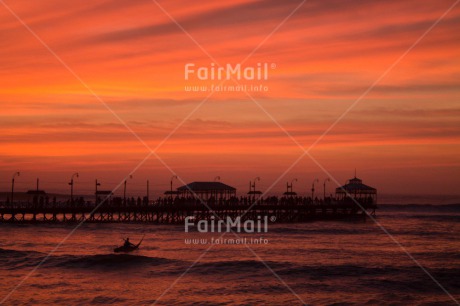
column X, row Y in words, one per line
column 403, row 137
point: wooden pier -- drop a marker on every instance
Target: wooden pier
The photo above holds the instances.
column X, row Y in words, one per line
column 174, row 211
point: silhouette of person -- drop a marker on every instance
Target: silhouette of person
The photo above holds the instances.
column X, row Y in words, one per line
column 127, row 243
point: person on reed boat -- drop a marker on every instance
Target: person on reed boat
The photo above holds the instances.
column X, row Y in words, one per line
column 128, row 244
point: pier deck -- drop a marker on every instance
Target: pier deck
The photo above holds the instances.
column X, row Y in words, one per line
column 175, row 211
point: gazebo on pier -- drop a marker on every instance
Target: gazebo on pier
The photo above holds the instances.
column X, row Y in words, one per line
column 358, row 191
column 207, row 190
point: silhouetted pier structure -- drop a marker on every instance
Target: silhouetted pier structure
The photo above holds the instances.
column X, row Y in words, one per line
column 202, row 204
column 176, row 210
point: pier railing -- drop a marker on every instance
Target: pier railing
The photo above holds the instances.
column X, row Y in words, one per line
column 175, row 210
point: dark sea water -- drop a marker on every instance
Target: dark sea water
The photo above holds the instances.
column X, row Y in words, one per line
column 318, row 263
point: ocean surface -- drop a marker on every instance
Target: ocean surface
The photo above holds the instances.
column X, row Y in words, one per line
column 317, row 263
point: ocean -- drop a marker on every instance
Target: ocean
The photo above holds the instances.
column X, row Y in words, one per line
column 316, row 263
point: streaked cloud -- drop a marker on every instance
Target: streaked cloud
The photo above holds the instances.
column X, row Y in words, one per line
column 132, row 55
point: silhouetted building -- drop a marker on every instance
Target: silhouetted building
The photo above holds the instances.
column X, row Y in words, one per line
column 357, row 190
column 207, row 190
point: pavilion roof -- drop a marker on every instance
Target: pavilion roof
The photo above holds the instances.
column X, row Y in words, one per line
column 355, row 185
column 206, row 186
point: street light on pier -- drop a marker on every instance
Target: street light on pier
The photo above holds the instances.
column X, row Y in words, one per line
column 324, row 187
column 12, row 186
column 172, row 178
column 217, row 178
column 313, row 188
column 124, row 191
column 252, row 187
column 294, row 180
column 71, row 187
column 97, row 184
column 148, row 191
column 289, row 187
column 254, row 184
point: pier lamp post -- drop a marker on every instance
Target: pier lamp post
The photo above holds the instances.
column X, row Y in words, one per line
column 12, row 186
column 294, row 180
column 148, row 191
column 254, row 187
column 290, row 187
column 124, row 190
column 71, row 187
column 313, row 188
column 97, row 184
column 172, row 178
column 324, row 187
column 217, row 178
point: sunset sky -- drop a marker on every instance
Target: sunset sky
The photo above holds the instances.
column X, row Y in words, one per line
column 113, row 61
